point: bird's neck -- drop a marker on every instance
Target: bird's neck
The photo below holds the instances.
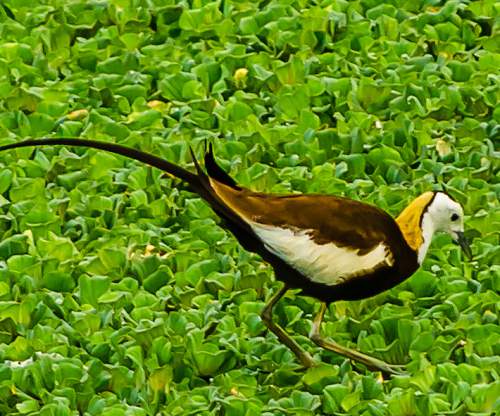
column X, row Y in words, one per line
column 416, row 226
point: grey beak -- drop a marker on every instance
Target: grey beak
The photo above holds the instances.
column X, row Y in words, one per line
column 462, row 242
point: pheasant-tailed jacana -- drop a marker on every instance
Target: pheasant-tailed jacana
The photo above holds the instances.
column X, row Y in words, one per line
column 332, row 248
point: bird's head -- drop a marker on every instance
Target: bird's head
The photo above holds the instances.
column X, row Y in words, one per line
column 431, row 213
column 446, row 215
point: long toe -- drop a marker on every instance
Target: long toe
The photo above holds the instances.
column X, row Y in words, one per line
column 386, row 368
column 393, row 369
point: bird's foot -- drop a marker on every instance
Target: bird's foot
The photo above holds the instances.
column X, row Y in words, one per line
column 385, row 368
column 373, row 364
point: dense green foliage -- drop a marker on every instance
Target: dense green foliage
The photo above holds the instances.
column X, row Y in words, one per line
column 119, row 292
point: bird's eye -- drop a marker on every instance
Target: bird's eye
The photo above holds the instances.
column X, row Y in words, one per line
column 454, row 217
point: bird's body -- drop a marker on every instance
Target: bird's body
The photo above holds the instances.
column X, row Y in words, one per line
column 331, row 247
column 342, row 248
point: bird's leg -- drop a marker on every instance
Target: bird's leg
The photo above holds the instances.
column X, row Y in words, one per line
column 370, row 362
column 267, row 316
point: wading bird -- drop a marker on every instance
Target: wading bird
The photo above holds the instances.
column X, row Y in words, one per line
column 330, row 247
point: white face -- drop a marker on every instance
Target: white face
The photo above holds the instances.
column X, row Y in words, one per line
column 446, row 215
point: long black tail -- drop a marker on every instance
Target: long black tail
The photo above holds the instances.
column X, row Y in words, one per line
column 198, row 182
column 192, row 179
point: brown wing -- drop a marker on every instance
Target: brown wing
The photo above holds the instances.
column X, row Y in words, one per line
column 327, row 219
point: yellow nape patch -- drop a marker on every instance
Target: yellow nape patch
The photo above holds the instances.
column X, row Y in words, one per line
column 409, row 220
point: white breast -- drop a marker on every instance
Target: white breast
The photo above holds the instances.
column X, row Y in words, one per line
column 322, row 263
